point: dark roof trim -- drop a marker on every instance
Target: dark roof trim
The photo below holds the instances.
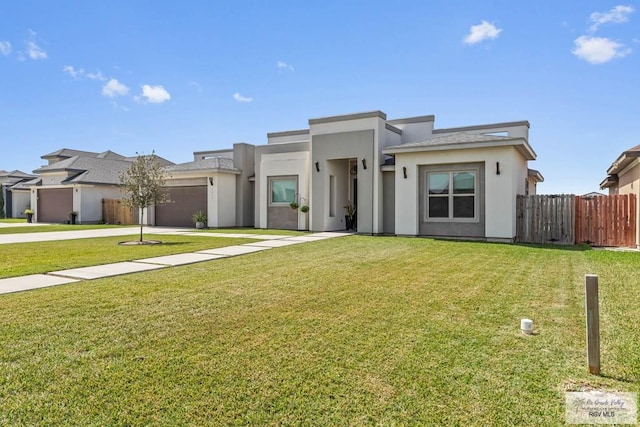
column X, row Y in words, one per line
column 624, row 160
column 417, row 119
column 288, row 133
column 536, row 175
column 483, row 127
column 366, row 115
column 610, row 181
column 392, row 128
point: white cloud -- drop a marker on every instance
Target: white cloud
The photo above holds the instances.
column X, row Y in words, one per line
column 598, row 50
column 481, row 32
column 96, row 76
column 153, row 95
column 5, row 48
column 616, row 15
column 35, row 52
column 76, row 74
column 114, row 88
column 284, row 66
column 241, row 98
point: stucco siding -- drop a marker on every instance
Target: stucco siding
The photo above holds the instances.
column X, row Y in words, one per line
column 357, row 145
column 282, row 164
column 88, row 202
column 629, row 183
column 499, row 190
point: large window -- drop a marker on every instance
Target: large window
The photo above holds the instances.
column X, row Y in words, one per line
column 283, row 190
column 451, row 196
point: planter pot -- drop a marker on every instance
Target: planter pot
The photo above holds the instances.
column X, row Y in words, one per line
column 29, row 217
column 348, row 222
column 199, row 225
column 72, row 219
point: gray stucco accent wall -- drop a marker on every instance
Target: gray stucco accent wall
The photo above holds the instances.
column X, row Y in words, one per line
column 453, row 229
column 244, row 160
column 270, row 149
column 345, row 145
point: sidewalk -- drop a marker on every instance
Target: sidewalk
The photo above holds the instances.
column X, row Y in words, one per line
column 54, row 278
column 83, row 234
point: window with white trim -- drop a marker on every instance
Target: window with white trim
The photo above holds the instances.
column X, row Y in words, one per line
column 283, row 190
column 452, row 196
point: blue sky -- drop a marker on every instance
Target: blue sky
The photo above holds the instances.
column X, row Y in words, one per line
column 177, row 77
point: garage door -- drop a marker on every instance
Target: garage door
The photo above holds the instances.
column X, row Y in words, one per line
column 54, row 204
column 185, row 201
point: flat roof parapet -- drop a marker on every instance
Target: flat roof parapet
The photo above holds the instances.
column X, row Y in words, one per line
column 365, row 115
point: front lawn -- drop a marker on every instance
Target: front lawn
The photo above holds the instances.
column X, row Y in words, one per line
column 20, row 259
column 349, row 331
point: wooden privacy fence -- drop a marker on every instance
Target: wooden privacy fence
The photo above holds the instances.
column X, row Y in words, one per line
column 546, row 219
column 606, row 220
column 570, row 219
column 116, row 212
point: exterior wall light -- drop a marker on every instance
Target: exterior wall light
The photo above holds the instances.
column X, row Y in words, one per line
column 211, row 181
column 404, row 172
column 364, row 164
column 317, row 166
column 497, row 168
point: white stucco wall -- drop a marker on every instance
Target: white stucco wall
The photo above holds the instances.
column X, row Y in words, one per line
column 221, row 201
column 500, row 190
column 87, row 201
column 20, row 200
column 296, row 163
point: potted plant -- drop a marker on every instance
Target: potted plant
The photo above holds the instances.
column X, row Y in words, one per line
column 72, row 217
column 304, row 208
column 294, row 205
column 29, row 214
column 199, row 219
column 350, row 217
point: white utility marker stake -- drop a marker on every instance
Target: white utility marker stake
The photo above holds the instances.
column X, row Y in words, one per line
column 593, row 323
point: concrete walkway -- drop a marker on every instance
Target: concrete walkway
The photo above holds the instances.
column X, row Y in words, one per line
column 61, row 277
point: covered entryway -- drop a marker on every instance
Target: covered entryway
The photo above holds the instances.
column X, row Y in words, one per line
column 184, row 202
column 54, row 205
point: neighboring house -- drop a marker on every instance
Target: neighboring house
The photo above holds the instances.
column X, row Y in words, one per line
column 15, row 200
column 404, row 176
column 215, row 182
column 75, row 180
column 623, row 177
column 591, row 195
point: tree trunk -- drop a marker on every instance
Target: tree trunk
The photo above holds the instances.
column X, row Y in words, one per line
column 141, row 216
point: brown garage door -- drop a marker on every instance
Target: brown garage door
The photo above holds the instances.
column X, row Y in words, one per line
column 54, row 204
column 185, row 201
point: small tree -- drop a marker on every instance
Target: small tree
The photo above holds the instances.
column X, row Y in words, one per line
column 143, row 184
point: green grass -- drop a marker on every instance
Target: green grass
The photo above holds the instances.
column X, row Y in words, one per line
column 350, row 331
column 59, row 227
column 13, row 220
column 20, row 259
column 247, row 230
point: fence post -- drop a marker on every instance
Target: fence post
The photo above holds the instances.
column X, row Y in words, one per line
column 593, row 323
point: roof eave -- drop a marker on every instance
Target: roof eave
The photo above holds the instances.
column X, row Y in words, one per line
column 519, row 144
